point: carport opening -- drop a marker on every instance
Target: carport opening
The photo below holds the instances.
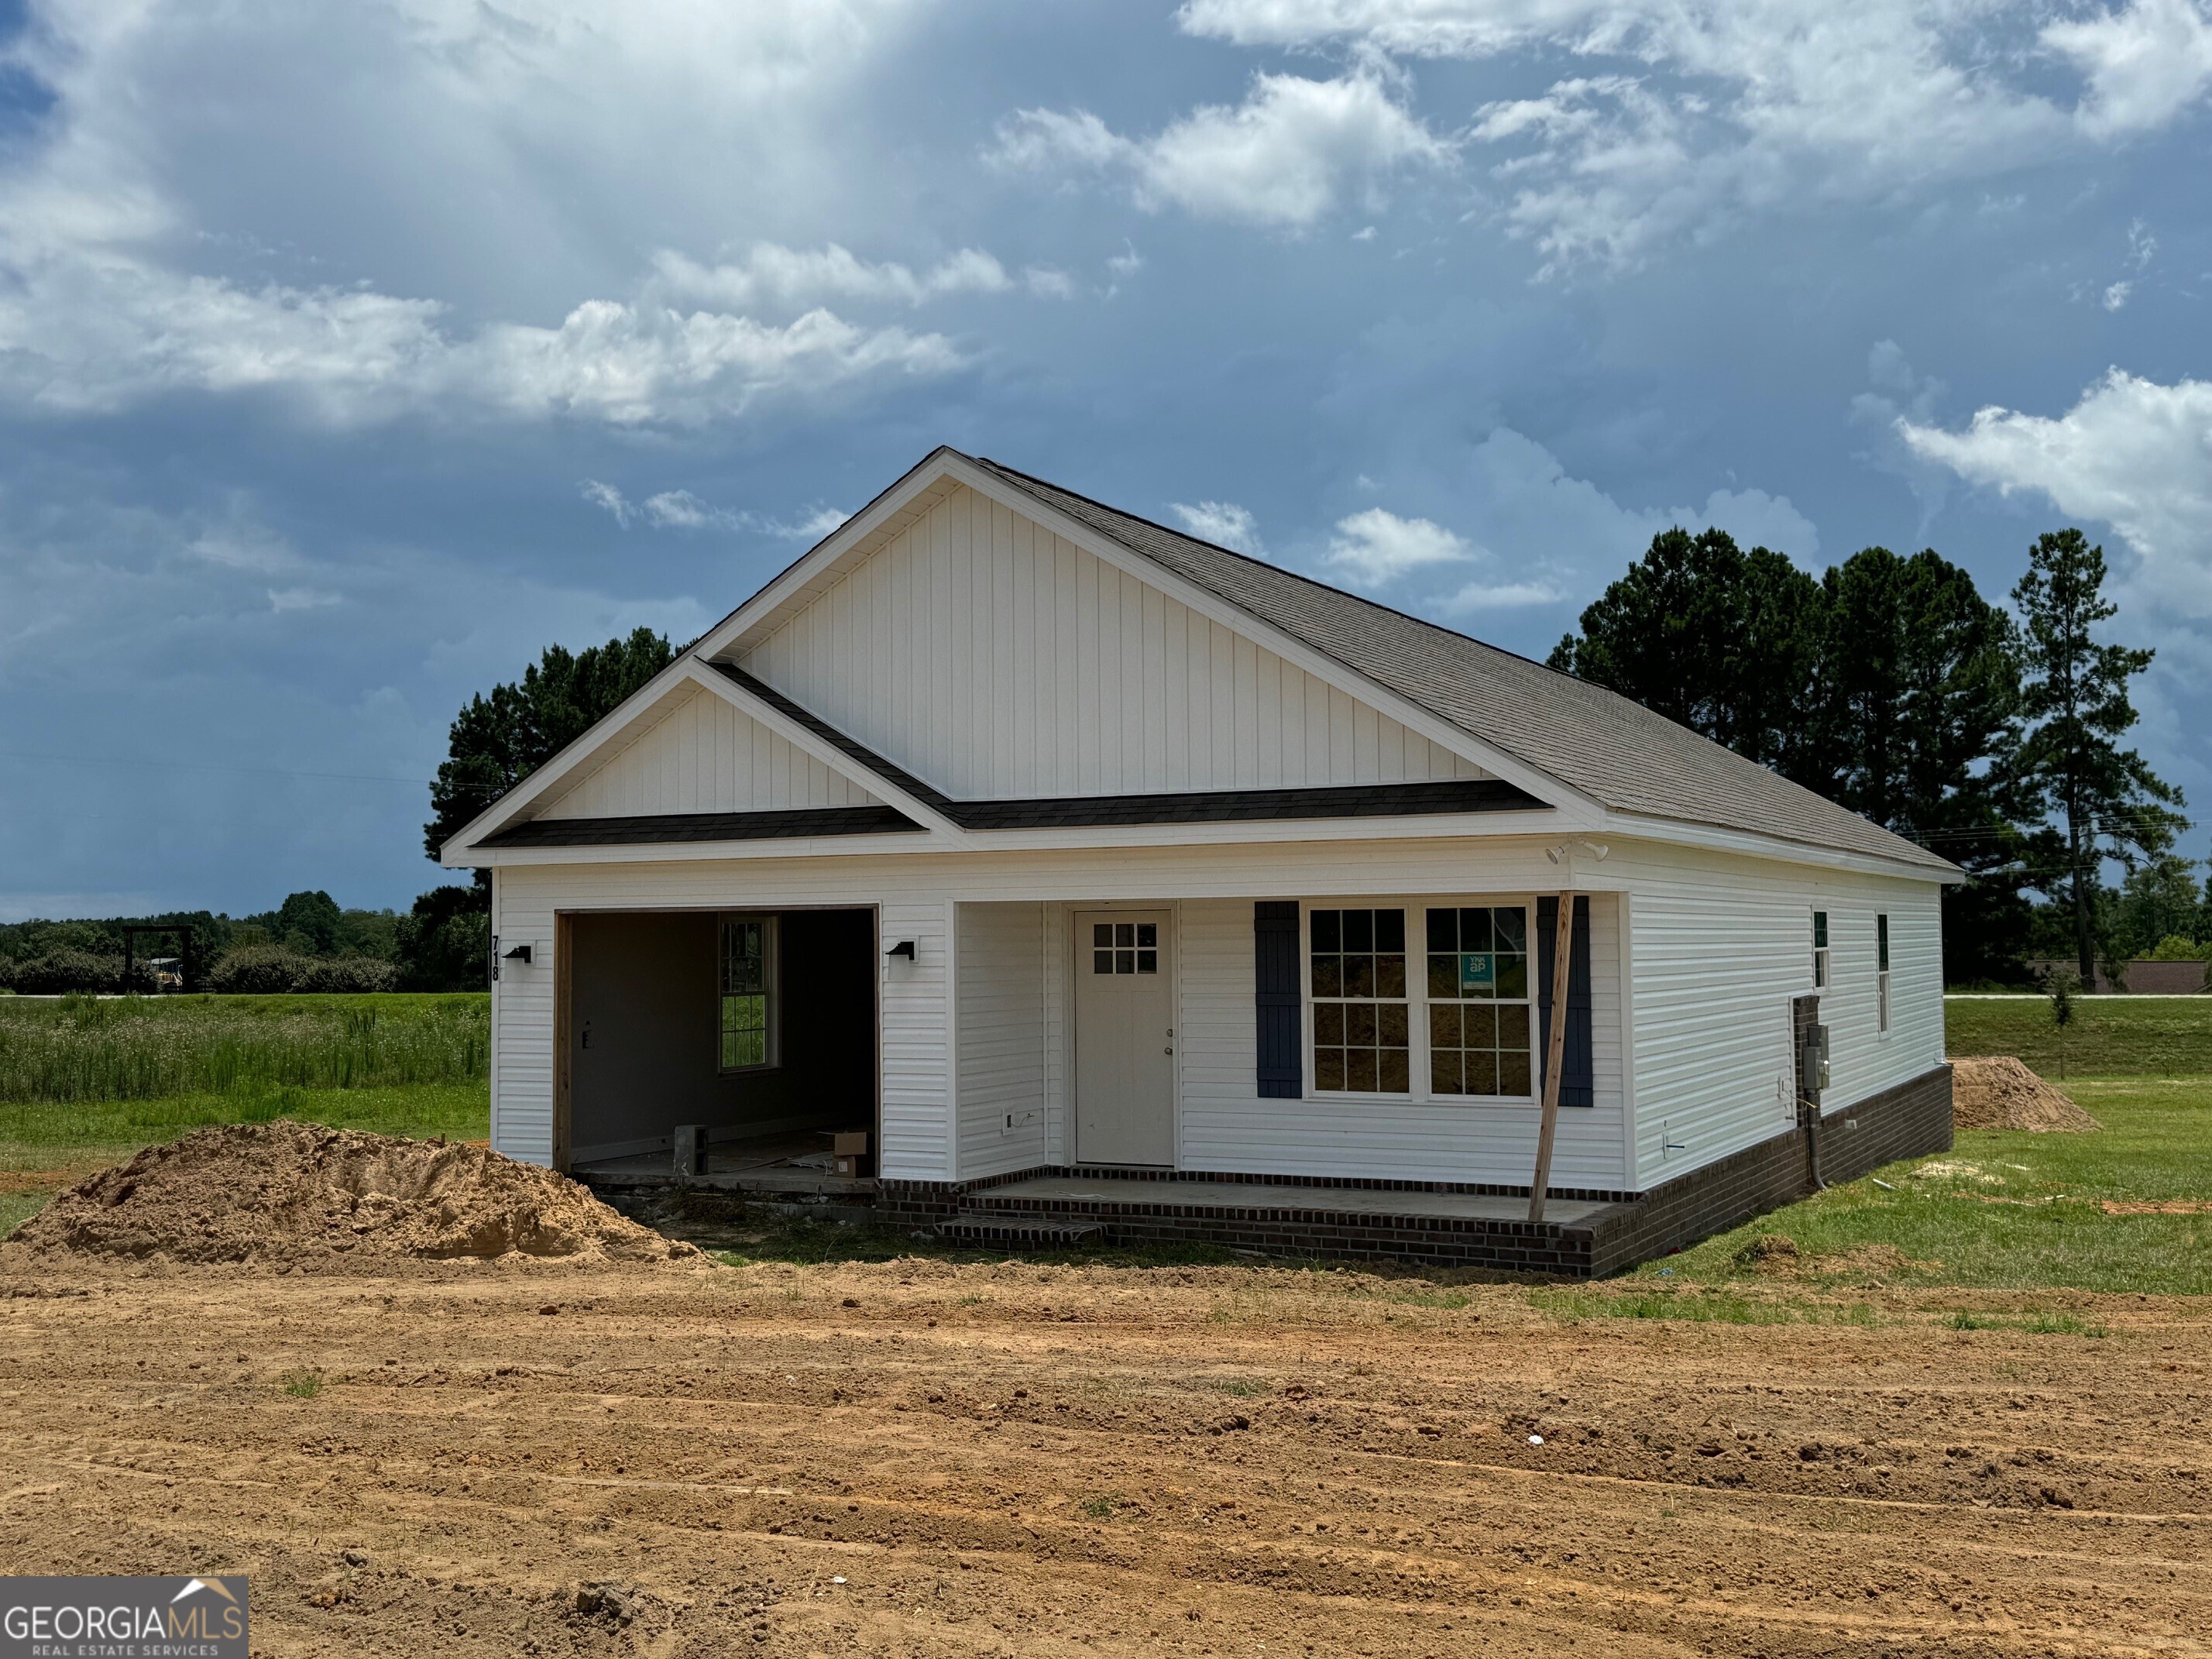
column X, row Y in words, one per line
column 759, row 1024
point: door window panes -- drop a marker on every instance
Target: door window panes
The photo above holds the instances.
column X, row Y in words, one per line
column 1478, row 987
column 1362, row 1035
column 1125, row 947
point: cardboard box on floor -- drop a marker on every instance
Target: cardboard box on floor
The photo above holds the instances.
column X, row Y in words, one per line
column 849, row 1150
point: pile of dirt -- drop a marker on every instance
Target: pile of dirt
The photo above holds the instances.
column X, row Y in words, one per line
column 293, row 1192
column 1996, row 1092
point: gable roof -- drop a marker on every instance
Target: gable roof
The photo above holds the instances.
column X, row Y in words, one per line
column 1611, row 748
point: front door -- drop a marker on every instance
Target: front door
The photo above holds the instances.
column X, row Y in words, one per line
column 1124, row 1039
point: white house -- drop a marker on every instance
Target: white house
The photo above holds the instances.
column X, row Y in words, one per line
column 1107, row 876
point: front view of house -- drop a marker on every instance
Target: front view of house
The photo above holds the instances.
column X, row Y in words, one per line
column 1103, row 875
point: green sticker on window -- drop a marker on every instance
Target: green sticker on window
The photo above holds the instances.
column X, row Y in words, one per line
column 1477, row 971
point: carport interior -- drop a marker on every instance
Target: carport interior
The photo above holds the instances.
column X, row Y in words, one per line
column 759, row 1024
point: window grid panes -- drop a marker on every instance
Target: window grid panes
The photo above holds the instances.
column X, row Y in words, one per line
column 1362, row 1032
column 746, row 987
column 1478, row 987
column 1125, row 947
column 1820, row 950
column 1881, row 972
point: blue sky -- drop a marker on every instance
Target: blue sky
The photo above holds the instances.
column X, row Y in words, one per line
column 350, row 354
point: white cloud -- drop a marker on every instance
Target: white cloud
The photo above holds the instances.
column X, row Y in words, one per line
column 1682, row 114
column 2116, row 294
column 612, row 500
column 1290, row 153
column 1376, row 546
column 679, row 509
column 1477, row 596
column 1527, row 535
column 113, row 291
column 1222, row 522
column 2130, row 452
column 772, row 275
column 2145, row 63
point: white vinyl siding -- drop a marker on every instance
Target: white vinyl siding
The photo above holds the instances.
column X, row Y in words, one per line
column 1719, row 947
column 999, row 967
column 1722, row 947
column 997, row 661
column 695, row 753
column 1226, row 1126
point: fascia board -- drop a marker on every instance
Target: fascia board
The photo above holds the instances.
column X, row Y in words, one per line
column 1533, row 827
column 1283, row 644
column 1779, row 849
column 808, row 743
column 582, row 747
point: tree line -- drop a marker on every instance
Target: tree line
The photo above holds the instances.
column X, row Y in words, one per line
column 1993, row 737
column 308, row 943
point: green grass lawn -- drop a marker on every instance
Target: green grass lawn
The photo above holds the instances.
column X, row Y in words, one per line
column 2109, row 1037
column 2007, row 1210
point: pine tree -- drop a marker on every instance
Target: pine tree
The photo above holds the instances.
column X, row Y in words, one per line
column 2070, row 763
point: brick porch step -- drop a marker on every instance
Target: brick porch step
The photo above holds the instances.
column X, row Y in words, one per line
column 1001, row 1230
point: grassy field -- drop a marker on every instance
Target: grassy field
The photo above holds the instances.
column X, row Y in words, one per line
column 2007, row 1210
column 83, row 1083
column 87, row 1081
column 2108, row 1037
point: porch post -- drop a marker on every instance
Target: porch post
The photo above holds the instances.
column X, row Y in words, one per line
column 1555, row 1058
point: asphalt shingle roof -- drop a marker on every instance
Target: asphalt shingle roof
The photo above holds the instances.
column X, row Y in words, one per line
column 1607, row 746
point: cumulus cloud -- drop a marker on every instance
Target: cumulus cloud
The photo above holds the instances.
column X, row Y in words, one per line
column 95, row 329
column 1375, row 547
column 770, row 274
column 2131, row 452
column 679, row 509
column 1290, row 153
column 110, row 294
column 1222, row 522
column 1527, row 534
column 1681, row 114
column 2145, row 63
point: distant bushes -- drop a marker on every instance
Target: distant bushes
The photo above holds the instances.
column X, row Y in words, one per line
column 59, row 972
column 267, row 969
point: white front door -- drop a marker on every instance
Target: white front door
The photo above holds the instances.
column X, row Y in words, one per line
column 1124, row 1038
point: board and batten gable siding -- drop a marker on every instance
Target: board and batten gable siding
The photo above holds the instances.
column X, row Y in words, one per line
column 998, row 661
column 999, row 968
column 1720, row 946
column 1226, row 1126
column 698, row 754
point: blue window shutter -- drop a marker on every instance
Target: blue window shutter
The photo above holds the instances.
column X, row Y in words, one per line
column 1577, row 1077
column 1281, row 1016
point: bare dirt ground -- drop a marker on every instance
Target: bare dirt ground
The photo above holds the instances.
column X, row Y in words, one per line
column 928, row 1459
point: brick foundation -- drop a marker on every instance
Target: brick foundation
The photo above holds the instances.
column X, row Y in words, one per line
column 1912, row 1119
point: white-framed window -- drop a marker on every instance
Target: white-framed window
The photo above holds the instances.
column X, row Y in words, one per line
column 1881, row 973
column 747, row 1005
column 1418, row 1000
column 1480, row 1009
column 1363, row 1041
column 1820, row 950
